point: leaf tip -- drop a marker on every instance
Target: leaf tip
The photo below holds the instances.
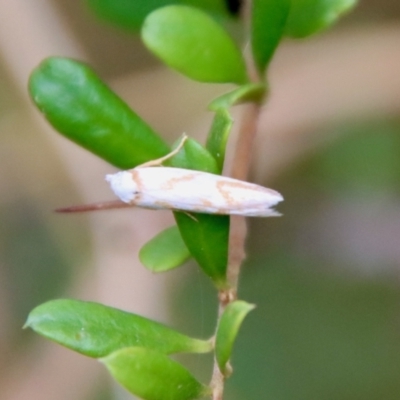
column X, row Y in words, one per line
column 30, row 321
column 27, row 324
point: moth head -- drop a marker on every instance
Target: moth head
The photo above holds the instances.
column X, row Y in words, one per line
column 123, row 185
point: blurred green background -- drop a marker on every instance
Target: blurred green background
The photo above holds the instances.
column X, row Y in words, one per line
column 325, row 277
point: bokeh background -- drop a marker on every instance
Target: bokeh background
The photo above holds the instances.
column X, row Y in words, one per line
column 325, row 277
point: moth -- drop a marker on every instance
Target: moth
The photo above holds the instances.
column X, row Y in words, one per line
column 192, row 191
column 153, row 186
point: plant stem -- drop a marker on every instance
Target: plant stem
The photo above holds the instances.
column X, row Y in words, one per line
column 242, row 157
column 218, row 378
column 217, row 383
column 238, row 227
column 241, row 163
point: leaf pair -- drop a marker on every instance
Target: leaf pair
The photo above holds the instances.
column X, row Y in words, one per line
column 134, row 348
column 153, row 376
column 191, row 42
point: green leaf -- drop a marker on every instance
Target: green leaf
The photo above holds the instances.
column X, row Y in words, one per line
column 206, row 236
column 165, row 251
column 222, row 124
column 97, row 330
column 191, row 42
column 218, row 136
column 267, row 28
column 130, row 14
column 228, row 329
column 153, row 376
column 193, row 156
column 252, row 92
column 310, row 16
column 82, row 108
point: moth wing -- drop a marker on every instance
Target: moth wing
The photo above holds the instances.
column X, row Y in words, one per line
column 196, row 191
column 181, row 189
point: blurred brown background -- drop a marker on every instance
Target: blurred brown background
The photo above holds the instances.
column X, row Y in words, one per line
column 325, row 277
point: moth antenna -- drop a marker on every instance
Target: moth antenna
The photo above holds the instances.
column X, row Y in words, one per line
column 159, row 161
column 104, row 205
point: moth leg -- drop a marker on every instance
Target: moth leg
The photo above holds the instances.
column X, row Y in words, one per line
column 160, row 160
column 190, row 216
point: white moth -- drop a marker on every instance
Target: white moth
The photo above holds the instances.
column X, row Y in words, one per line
column 159, row 187
column 187, row 190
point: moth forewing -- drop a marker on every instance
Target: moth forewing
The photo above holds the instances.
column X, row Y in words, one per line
column 188, row 190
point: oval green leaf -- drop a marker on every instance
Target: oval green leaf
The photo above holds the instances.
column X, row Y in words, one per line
column 153, row 376
column 130, row 14
column 165, row 251
column 82, row 108
column 191, row 42
column 218, row 136
column 206, row 236
column 310, row 16
column 96, row 330
column 268, row 20
column 228, row 329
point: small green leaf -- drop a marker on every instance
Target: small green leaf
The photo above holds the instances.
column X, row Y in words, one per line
column 310, row 16
column 82, row 108
column 165, row 251
column 130, row 14
column 191, row 42
column 252, row 92
column 267, row 28
column 193, row 156
column 153, row 376
column 218, row 136
column 206, row 236
column 228, row 329
column 97, row 330
column 222, row 124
